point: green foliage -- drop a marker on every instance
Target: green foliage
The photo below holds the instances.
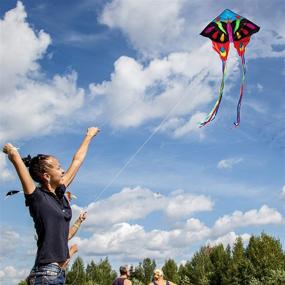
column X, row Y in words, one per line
column 265, row 254
column 262, row 262
column 22, row 282
column 170, row 271
column 148, row 266
column 77, row 273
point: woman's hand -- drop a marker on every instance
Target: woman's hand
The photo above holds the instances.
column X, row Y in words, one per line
column 93, row 131
column 82, row 217
column 9, row 149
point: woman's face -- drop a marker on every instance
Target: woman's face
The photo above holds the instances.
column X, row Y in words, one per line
column 54, row 171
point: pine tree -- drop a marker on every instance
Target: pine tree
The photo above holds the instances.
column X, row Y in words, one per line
column 266, row 254
column 241, row 269
column 220, row 259
column 201, row 268
column 148, row 266
column 77, row 273
column 170, row 271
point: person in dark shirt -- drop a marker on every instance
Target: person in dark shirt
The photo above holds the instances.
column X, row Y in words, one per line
column 123, row 279
column 49, row 207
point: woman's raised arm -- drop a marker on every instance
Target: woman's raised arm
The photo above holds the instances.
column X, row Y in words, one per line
column 79, row 156
column 22, row 171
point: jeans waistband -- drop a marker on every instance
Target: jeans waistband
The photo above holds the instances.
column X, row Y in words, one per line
column 50, row 269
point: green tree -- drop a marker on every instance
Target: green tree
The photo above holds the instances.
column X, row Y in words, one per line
column 101, row 273
column 241, row 269
column 77, row 273
column 220, row 259
column 265, row 254
column 170, row 271
column 137, row 273
column 22, row 282
column 148, row 266
column 91, row 272
column 200, row 268
column 184, row 273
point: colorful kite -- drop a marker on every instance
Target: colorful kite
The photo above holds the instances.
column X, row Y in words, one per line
column 227, row 28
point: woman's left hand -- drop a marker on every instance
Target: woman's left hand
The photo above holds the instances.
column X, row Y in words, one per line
column 82, row 216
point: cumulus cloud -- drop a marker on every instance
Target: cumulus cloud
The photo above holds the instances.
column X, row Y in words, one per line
column 263, row 216
column 228, row 239
column 228, row 163
column 113, row 228
column 163, row 23
column 9, row 238
column 31, row 103
column 139, row 202
column 5, row 174
column 134, row 242
column 171, row 89
column 176, row 26
column 13, row 275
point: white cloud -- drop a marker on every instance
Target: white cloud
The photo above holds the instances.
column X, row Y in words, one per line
column 111, row 232
column 263, row 216
column 5, row 174
column 185, row 205
column 8, row 241
column 228, row 239
column 169, row 89
column 30, row 103
column 228, row 163
column 176, row 26
column 13, row 275
column 133, row 242
column 139, row 202
column 151, row 26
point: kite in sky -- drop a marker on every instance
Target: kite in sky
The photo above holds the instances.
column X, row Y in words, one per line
column 12, row 192
column 227, row 28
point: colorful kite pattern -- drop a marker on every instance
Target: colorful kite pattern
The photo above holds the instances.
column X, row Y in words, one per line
column 227, row 28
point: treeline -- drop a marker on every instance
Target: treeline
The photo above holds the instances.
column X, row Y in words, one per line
column 261, row 262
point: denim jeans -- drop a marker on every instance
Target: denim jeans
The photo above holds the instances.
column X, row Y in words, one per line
column 48, row 274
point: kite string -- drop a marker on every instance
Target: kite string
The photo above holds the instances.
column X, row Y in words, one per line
column 140, row 148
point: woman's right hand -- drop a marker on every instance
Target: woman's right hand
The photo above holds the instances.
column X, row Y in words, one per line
column 93, row 131
column 8, row 148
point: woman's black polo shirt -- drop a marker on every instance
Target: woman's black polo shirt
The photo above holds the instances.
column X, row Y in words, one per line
column 51, row 216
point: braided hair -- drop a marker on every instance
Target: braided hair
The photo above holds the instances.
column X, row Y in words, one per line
column 37, row 166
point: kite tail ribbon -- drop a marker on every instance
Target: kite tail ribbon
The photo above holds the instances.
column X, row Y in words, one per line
column 211, row 116
column 241, row 91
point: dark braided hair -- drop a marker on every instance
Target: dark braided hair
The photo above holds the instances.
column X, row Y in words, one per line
column 37, row 166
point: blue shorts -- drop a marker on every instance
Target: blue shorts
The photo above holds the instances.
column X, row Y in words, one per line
column 48, row 274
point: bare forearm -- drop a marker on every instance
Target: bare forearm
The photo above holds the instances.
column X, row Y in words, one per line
column 23, row 173
column 73, row 230
column 79, row 156
column 82, row 150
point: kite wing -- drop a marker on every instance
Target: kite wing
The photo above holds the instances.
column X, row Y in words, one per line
column 227, row 28
column 12, row 192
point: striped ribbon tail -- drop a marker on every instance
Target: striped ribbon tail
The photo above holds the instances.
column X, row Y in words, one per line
column 211, row 116
column 237, row 123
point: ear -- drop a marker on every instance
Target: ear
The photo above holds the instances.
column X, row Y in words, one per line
column 46, row 177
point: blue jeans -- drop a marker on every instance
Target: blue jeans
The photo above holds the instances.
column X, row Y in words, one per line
column 48, row 274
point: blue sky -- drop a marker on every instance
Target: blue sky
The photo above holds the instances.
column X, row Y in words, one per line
column 153, row 183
